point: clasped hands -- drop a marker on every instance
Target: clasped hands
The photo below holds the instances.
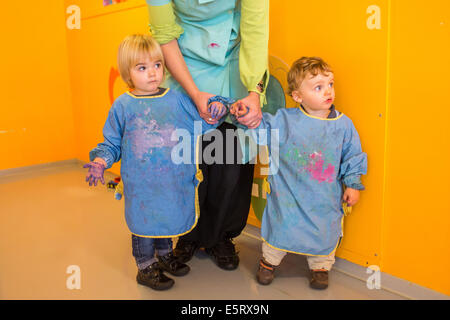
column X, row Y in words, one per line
column 247, row 110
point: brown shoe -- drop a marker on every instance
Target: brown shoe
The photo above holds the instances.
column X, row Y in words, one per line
column 319, row 279
column 265, row 273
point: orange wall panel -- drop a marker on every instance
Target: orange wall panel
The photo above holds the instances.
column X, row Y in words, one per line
column 416, row 237
column 36, row 123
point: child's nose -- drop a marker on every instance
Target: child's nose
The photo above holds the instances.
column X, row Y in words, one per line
column 151, row 72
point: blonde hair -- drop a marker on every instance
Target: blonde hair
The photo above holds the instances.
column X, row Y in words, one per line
column 302, row 67
column 131, row 50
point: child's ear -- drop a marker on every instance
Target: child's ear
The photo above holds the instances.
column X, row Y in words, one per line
column 296, row 96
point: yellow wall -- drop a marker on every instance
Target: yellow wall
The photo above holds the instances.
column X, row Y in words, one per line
column 388, row 80
column 36, row 122
column 93, row 55
column 416, row 224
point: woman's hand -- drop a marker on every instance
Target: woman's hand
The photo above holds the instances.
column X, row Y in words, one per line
column 253, row 118
column 201, row 101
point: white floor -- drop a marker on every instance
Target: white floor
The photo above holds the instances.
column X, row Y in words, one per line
column 50, row 219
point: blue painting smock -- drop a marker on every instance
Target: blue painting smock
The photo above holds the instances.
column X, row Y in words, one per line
column 161, row 197
column 310, row 160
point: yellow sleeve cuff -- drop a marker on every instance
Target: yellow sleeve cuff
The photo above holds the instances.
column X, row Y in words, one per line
column 163, row 26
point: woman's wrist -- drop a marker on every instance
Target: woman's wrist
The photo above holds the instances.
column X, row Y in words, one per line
column 193, row 93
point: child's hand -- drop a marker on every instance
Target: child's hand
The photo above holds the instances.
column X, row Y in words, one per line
column 351, row 196
column 253, row 117
column 217, row 110
column 95, row 172
column 238, row 109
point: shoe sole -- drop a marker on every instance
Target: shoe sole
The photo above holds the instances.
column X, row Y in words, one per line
column 318, row 286
column 226, row 268
column 263, row 283
column 168, row 286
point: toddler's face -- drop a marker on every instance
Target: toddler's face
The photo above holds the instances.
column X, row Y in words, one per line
column 147, row 76
column 316, row 92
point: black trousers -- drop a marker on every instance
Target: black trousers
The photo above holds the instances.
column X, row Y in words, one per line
column 225, row 192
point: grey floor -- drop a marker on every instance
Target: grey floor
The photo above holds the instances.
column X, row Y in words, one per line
column 50, row 220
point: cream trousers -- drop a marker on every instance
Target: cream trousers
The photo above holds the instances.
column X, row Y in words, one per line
column 274, row 257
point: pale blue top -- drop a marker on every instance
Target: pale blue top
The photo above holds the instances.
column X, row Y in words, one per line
column 311, row 160
column 160, row 195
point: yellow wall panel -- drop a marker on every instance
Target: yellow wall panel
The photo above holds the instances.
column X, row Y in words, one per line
column 416, row 237
column 36, row 123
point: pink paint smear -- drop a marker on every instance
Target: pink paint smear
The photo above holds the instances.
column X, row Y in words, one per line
column 315, row 168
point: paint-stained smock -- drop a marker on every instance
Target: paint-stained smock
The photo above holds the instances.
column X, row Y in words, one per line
column 160, row 195
column 310, row 160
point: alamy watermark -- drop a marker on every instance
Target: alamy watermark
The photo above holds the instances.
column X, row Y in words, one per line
column 74, row 280
column 73, row 21
column 374, row 280
column 221, row 148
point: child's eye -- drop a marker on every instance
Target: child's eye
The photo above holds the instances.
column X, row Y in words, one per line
column 331, row 84
column 318, row 88
column 141, row 68
column 158, row 65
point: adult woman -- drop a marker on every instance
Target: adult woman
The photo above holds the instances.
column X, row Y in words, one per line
column 214, row 47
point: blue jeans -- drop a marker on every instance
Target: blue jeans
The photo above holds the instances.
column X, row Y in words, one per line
column 144, row 249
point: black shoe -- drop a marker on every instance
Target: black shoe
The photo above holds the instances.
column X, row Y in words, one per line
column 153, row 277
column 224, row 254
column 171, row 264
column 185, row 250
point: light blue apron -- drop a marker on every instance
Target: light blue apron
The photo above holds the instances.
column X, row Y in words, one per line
column 161, row 198
column 310, row 160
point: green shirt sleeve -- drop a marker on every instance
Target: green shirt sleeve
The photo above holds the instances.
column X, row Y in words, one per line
column 162, row 22
column 254, row 51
